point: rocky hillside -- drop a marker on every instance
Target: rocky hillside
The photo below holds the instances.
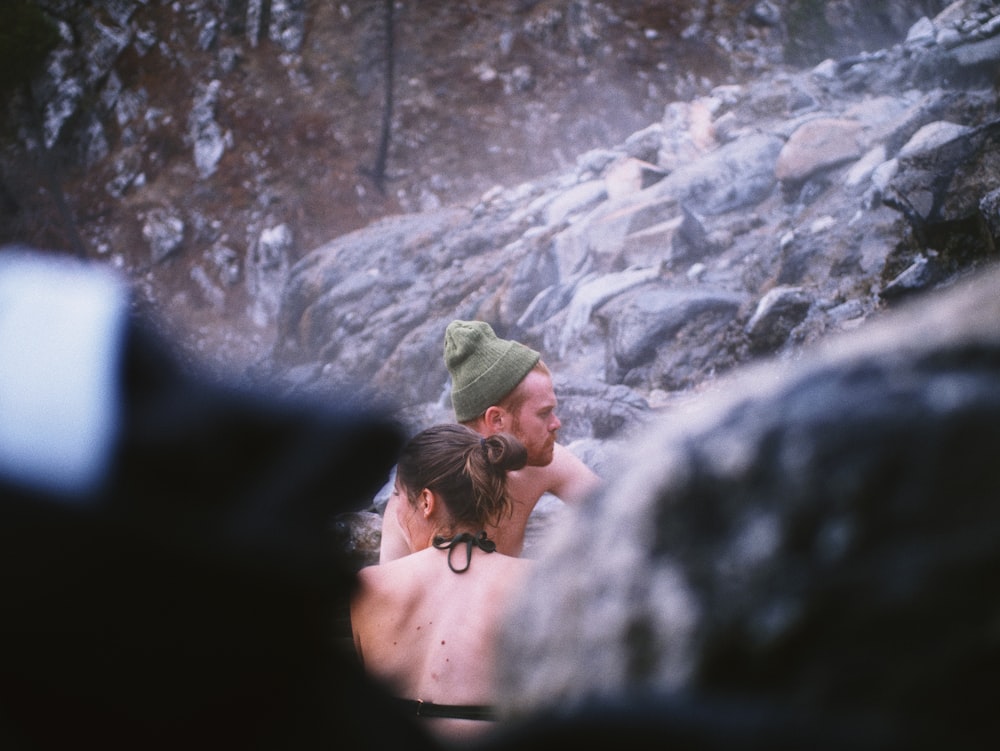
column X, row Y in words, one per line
column 746, row 223
column 204, row 147
column 723, row 200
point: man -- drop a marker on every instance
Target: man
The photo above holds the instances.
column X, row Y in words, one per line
column 502, row 386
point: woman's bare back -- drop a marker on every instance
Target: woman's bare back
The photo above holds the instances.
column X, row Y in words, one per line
column 430, row 633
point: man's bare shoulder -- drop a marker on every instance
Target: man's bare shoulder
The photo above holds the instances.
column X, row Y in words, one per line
column 565, row 477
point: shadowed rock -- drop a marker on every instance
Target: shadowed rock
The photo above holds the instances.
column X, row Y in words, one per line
column 819, row 538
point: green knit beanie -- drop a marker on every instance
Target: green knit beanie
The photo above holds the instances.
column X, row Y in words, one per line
column 484, row 368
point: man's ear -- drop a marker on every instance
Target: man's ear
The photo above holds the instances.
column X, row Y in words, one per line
column 496, row 419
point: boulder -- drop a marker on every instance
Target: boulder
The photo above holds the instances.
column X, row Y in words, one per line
column 817, row 539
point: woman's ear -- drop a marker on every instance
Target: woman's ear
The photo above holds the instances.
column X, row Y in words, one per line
column 427, row 502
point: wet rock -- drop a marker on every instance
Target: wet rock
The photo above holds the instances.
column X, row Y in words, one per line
column 818, row 145
column 735, row 176
column 945, row 175
column 577, row 199
column 267, row 267
column 208, row 139
column 358, row 534
column 164, row 231
column 628, row 176
column 288, row 21
column 690, row 242
column 813, row 535
column 777, row 313
column 648, row 321
column 916, row 277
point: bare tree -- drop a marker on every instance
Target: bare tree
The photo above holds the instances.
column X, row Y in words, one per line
column 378, row 171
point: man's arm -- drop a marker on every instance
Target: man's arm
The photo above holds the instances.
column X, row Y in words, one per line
column 570, row 479
column 394, row 544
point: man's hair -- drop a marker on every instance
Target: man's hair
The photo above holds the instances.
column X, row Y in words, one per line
column 515, row 399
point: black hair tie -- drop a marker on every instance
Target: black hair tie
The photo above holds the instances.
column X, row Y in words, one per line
column 480, row 541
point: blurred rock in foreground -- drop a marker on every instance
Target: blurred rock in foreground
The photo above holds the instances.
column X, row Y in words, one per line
column 818, row 539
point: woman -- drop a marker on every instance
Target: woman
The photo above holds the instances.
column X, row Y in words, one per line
column 426, row 624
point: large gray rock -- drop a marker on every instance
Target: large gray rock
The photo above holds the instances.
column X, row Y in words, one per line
column 818, row 537
column 817, row 145
column 738, row 175
column 657, row 331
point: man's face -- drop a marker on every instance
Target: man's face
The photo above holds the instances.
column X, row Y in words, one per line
column 535, row 424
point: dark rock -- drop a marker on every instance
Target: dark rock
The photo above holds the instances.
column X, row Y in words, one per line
column 654, row 321
column 690, row 241
column 738, row 175
column 820, row 536
column 919, row 275
column 777, row 313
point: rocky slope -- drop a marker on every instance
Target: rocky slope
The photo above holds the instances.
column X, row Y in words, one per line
column 748, row 222
column 651, row 197
column 203, row 147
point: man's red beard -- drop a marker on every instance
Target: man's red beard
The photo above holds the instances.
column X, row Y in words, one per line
column 544, row 457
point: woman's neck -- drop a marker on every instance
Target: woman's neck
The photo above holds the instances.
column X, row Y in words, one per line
column 465, row 542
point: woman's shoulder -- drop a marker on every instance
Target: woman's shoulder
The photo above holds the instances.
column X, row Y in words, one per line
column 397, row 570
column 500, row 577
column 393, row 585
column 415, row 570
column 507, row 567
